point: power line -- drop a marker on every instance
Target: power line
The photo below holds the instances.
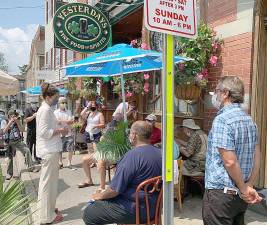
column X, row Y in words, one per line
column 22, row 7
column 122, row 5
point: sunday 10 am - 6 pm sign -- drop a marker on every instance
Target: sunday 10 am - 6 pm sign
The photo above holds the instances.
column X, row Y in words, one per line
column 82, row 28
column 175, row 17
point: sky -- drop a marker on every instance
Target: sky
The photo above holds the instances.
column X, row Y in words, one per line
column 18, row 24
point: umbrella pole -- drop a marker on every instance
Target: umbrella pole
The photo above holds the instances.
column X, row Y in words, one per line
column 123, row 98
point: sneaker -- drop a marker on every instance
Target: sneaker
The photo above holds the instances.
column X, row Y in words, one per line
column 34, row 169
column 60, row 166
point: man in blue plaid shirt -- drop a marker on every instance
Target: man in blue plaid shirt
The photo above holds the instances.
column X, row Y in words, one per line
column 233, row 158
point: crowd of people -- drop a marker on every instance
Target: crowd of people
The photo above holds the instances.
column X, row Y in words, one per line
column 228, row 157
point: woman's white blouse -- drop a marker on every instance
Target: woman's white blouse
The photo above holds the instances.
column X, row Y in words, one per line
column 46, row 123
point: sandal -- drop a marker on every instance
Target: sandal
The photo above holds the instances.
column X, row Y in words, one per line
column 83, row 185
column 58, row 219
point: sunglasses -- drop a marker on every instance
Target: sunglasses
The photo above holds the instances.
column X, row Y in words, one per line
column 65, row 103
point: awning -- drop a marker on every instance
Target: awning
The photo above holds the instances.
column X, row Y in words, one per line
column 8, row 84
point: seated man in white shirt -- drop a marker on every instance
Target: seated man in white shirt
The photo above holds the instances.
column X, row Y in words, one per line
column 65, row 119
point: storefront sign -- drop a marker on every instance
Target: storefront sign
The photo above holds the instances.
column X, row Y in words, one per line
column 81, row 27
column 176, row 17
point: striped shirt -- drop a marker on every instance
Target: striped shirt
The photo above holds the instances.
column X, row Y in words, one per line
column 232, row 130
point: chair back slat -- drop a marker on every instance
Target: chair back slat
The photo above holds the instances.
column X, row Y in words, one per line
column 149, row 187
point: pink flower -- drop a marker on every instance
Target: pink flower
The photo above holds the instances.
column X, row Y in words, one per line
column 146, row 87
column 213, row 60
column 129, row 94
column 146, row 76
column 144, row 46
column 181, row 66
column 133, row 42
column 205, row 72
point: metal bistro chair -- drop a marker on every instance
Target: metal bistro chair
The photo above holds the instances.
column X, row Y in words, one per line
column 149, row 187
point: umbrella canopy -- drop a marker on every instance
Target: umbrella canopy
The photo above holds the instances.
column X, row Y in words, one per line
column 116, row 60
column 119, row 59
column 8, row 84
column 37, row 91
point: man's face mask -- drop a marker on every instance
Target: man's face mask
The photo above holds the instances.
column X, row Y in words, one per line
column 216, row 101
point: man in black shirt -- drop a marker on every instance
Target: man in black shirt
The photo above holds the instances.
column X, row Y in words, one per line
column 30, row 119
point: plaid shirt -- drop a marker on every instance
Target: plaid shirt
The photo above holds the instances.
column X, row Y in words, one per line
column 232, row 130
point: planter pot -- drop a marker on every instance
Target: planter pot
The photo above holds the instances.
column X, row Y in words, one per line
column 187, row 92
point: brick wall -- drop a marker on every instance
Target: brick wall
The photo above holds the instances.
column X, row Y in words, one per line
column 235, row 59
column 221, row 11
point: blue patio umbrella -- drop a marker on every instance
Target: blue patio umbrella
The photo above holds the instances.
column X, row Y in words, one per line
column 117, row 60
column 37, row 91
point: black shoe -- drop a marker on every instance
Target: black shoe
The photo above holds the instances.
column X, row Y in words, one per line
column 8, row 177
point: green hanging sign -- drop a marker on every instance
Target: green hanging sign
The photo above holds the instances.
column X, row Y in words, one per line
column 81, row 27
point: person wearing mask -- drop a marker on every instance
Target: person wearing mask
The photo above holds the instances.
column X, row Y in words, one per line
column 30, row 119
column 95, row 122
column 116, row 205
column 233, row 157
column 65, row 119
column 131, row 110
column 12, row 135
column 194, row 151
column 48, row 146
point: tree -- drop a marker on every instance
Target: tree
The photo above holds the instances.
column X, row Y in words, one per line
column 3, row 65
column 23, row 69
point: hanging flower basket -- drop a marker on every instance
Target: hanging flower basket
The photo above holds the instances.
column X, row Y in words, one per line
column 89, row 95
column 187, row 92
column 74, row 95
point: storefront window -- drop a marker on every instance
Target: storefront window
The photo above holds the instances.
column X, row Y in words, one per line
column 181, row 107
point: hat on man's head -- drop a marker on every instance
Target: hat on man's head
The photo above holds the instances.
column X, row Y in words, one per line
column 190, row 123
column 151, row 117
column 62, row 99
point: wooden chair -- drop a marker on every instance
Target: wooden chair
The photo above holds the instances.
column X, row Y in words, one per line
column 178, row 187
column 109, row 167
column 149, row 187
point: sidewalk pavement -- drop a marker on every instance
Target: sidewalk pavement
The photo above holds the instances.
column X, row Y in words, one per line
column 71, row 200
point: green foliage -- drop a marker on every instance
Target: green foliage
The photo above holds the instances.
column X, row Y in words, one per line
column 92, row 30
column 13, row 204
column 23, row 69
column 76, row 126
column 201, row 49
column 3, row 65
column 114, row 144
column 74, row 27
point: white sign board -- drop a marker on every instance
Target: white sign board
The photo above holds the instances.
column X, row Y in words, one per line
column 175, row 17
column 45, row 75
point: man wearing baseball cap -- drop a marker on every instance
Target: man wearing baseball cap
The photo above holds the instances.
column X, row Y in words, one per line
column 194, row 150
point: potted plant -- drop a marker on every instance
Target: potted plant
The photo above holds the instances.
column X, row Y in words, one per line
column 114, row 144
column 192, row 76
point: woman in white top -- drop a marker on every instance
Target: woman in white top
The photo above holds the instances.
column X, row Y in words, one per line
column 95, row 122
column 48, row 146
